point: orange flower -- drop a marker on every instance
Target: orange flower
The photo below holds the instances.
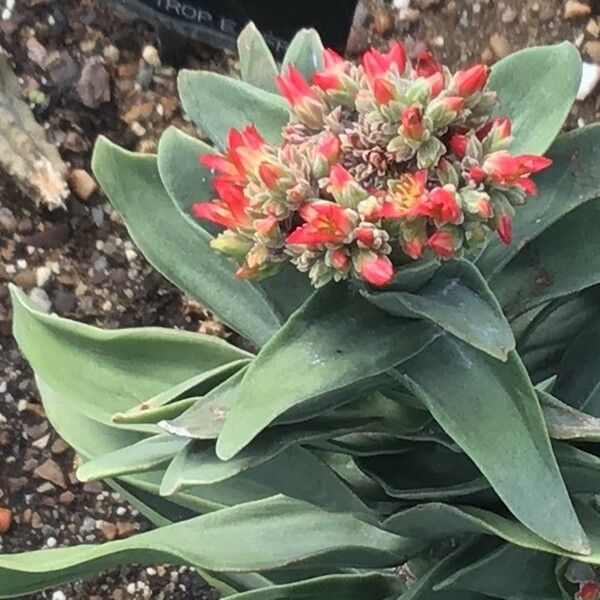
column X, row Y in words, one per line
column 412, row 122
column 330, row 77
column 244, row 150
column 228, row 210
column 515, row 170
column 441, row 205
column 472, row 80
column 406, row 195
column 326, row 223
column 377, row 65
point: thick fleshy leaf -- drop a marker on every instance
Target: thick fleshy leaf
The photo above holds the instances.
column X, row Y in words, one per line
column 145, row 455
column 578, row 381
column 425, row 588
column 111, row 371
column 572, row 180
column 457, row 299
column 501, row 429
column 183, row 255
column 563, row 260
column 374, row 586
column 436, row 521
column 567, row 423
column 305, row 52
column 580, row 469
column 262, row 535
column 508, row 572
column 315, row 357
column 296, row 473
column 257, row 65
column 425, row 472
column 526, row 81
column 545, row 340
column 188, row 182
column 216, row 103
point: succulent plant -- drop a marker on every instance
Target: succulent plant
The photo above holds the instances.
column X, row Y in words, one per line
column 425, row 431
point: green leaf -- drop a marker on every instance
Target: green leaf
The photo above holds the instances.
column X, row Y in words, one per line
column 536, row 89
column 581, row 470
column 111, row 371
column 183, row 255
column 425, row 588
column 257, row 64
column 563, row 260
column 374, row 586
column 216, row 103
column 262, row 535
column 296, row 473
column 572, row 180
column 547, row 337
column 578, row 381
column 295, row 368
column 425, row 472
column 490, row 410
column 459, row 301
column 508, row 572
column 305, row 52
column 567, row 423
column 142, row 456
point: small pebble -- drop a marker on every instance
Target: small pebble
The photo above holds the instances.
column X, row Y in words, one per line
column 40, row 297
column 8, row 223
column 576, row 10
column 51, row 542
column 151, row 56
column 589, row 80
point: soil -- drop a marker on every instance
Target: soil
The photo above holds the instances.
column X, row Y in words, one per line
column 81, row 264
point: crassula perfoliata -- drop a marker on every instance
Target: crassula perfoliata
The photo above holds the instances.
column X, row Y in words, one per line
column 422, row 425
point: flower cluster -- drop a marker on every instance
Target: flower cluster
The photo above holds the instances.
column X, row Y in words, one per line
column 381, row 163
column 588, row 591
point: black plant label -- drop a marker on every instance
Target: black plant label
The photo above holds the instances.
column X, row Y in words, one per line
column 219, row 22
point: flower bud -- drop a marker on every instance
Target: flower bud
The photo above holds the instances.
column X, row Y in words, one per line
column 426, row 65
column 330, row 78
column 476, row 203
column 458, row 145
column 232, row 244
column 303, row 99
column 348, row 192
column 445, row 242
column 383, row 91
column 270, row 174
column 435, row 83
column 377, row 64
column 339, row 260
column 589, row 591
column 327, row 150
column 365, row 236
column 374, row 269
column 472, row 80
column 412, row 122
column 504, row 227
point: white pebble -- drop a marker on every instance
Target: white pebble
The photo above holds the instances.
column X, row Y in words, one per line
column 150, row 55
column 51, row 542
column 59, row 595
column 589, row 80
column 42, row 275
column 130, row 254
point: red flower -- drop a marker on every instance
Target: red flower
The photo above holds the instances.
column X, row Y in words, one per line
column 329, row 78
column 326, row 223
column 412, row 122
column 329, row 148
column 376, row 270
column 406, row 195
column 270, row 174
column 244, row 149
column 339, row 178
column 501, row 125
column 589, row 591
column 459, row 143
column 377, row 64
column 295, row 88
column 435, row 83
column 442, row 243
column 441, row 205
column 515, row 170
column 470, row 81
column 266, row 226
column 383, row 91
column 413, row 248
column 228, row 210
column 504, row 228
column 426, row 65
